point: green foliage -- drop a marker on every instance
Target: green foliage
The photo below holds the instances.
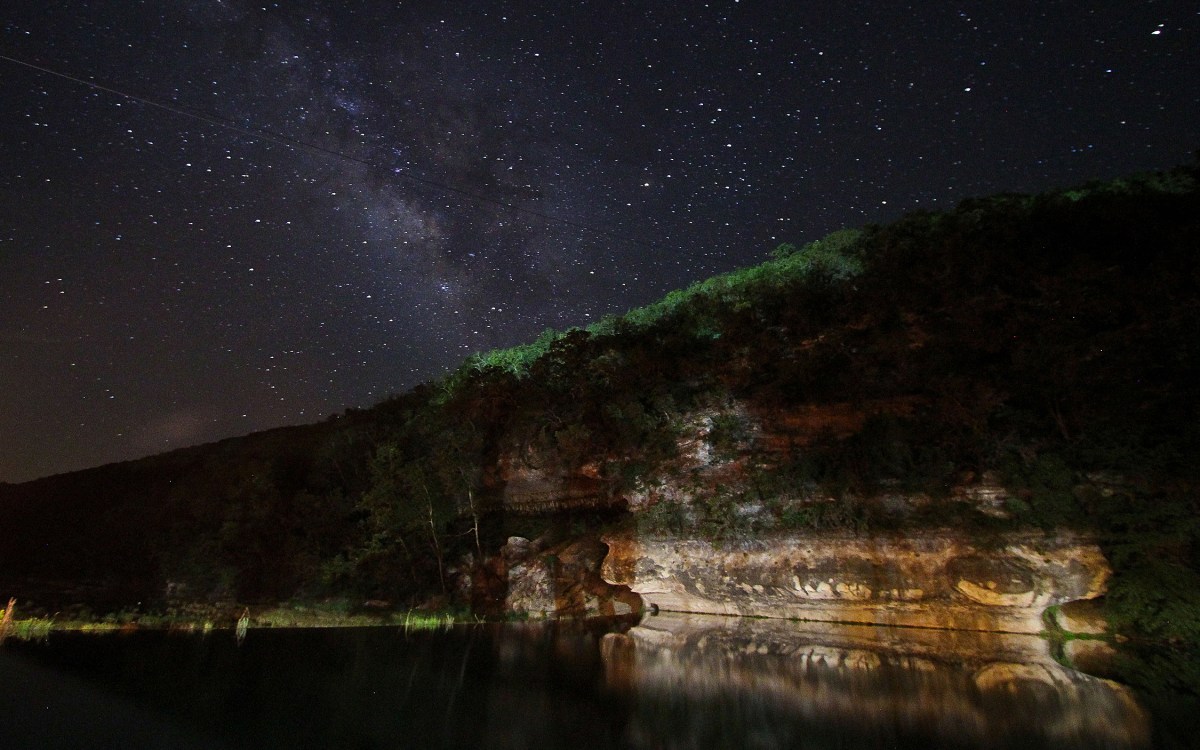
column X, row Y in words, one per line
column 1176, row 181
column 418, row 488
column 1045, row 489
column 703, row 304
column 1167, row 679
column 729, row 431
column 1152, row 539
column 573, row 444
column 515, row 360
column 783, row 250
column 1050, row 338
column 1156, row 597
column 414, row 620
column 237, row 530
column 818, row 512
column 666, row 517
column 31, row 629
column 838, row 256
column 723, row 516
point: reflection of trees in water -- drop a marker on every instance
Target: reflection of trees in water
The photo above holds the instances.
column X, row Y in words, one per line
column 668, row 682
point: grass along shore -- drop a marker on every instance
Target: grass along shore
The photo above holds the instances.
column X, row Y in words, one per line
column 207, row 618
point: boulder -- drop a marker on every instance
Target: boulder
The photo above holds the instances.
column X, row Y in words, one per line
column 1084, row 617
column 564, row 581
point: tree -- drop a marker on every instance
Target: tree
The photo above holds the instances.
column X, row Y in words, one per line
column 421, row 485
column 400, row 504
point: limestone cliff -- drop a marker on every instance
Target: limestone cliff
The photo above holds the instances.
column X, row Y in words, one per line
column 937, row 578
column 704, row 537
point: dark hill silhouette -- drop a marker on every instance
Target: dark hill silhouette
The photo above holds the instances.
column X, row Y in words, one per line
column 1050, row 340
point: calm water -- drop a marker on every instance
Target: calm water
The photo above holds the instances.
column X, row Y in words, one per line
column 670, row 682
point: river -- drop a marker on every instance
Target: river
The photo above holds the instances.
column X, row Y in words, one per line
column 669, row 682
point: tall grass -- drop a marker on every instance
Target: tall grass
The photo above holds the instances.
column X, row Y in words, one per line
column 428, row 621
column 6, row 619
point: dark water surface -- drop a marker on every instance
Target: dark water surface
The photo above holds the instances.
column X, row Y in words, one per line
column 670, row 682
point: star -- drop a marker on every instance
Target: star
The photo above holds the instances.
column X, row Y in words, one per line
column 223, row 216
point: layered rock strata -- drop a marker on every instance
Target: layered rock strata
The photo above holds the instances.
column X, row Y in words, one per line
column 937, row 579
column 527, row 488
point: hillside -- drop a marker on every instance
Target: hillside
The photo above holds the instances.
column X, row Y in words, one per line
column 1045, row 346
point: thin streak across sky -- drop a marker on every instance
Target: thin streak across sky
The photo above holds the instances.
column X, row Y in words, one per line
column 261, row 134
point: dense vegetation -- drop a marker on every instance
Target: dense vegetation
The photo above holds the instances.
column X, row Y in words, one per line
column 1050, row 340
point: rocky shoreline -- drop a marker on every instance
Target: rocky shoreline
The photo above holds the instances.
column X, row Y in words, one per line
column 938, row 579
column 941, row 578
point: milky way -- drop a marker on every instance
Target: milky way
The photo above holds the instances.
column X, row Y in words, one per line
column 260, row 214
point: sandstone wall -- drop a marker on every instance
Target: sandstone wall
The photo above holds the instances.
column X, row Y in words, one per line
column 939, row 578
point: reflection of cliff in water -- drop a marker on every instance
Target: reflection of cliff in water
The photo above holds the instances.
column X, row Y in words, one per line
column 669, row 682
column 705, row 681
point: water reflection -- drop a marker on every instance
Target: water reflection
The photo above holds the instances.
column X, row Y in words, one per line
column 725, row 682
column 497, row 686
column 668, row 682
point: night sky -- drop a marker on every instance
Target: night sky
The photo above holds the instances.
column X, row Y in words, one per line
column 261, row 214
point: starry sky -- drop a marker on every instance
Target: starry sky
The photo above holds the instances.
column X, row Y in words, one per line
column 220, row 216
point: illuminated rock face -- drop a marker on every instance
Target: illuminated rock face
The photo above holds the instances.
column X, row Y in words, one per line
column 561, row 581
column 939, row 579
column 527, row 486
column 529, row 481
